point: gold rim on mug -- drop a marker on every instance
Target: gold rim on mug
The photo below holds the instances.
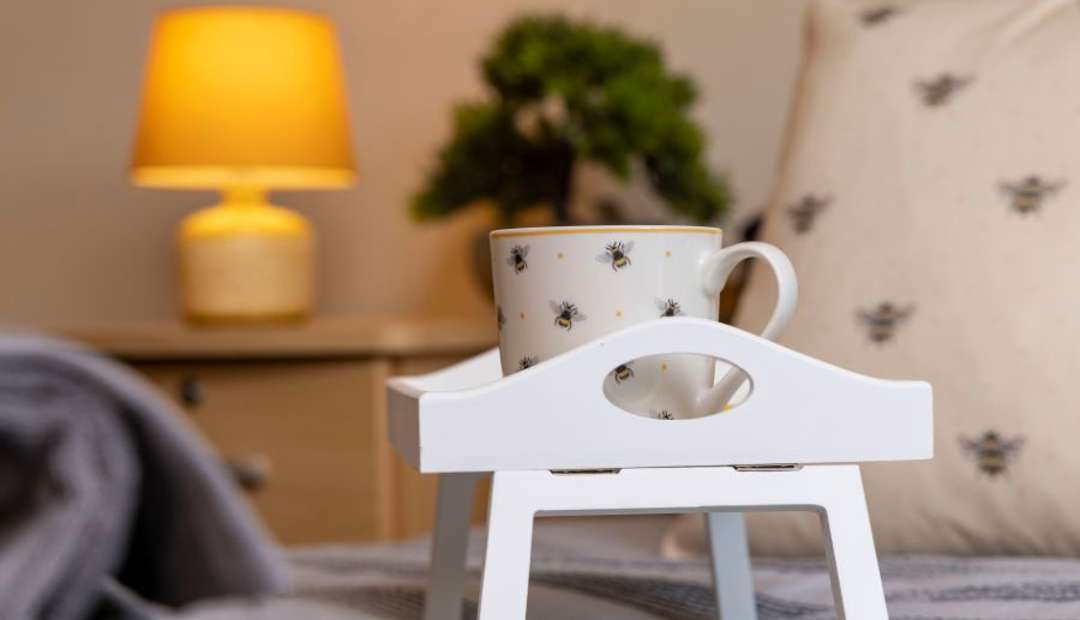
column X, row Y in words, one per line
column 581, row 230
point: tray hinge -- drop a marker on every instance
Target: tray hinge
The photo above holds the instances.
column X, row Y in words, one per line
column 770, row 467
column 575, row 472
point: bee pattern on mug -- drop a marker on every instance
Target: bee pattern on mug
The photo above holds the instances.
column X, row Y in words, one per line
column 517, row 258
column 527, row 361
column 938, row 91
column 881, row 322
column 566, row 314
column 805, row 211
column 500, row 318
column 992, row 452
column 623, row 372
column 662, row 414
column 617, row 254
column 668, row 307
column 1028, row 195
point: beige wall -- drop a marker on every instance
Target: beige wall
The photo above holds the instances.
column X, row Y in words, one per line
column 78, row 243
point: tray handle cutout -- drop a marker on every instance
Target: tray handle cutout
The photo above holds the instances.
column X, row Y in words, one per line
column 674, row 386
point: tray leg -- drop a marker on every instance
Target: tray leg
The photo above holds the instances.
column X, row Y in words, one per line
column 446, row 587
column 856, row 580
column 505, row 587
column 733, row 582
column 834, row 491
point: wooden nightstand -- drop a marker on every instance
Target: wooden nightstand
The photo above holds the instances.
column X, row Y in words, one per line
column 299, row 412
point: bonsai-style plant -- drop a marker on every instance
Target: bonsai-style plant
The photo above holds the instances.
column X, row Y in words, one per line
column 563, row 92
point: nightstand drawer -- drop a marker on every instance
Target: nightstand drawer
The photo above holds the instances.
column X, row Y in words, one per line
column 299, row 411
column 303, row 437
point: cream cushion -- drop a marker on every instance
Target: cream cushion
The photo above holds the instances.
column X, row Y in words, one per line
column 929, row 197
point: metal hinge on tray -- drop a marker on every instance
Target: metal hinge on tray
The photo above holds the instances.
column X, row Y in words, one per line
column 769, row 467
column 576, row 472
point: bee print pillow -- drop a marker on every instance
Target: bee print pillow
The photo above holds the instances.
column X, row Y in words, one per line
column 929, row 198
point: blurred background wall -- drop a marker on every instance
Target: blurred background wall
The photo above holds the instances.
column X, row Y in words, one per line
column 78, row 243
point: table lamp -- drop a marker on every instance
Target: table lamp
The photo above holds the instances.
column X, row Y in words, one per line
column 242, row 99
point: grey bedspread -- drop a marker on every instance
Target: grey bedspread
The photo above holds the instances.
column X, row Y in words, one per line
column 609, row 570
column 107, row 497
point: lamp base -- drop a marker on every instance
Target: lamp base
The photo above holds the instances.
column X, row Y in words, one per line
column 245, row 260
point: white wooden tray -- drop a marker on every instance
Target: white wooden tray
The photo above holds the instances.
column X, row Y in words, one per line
column 469, row 418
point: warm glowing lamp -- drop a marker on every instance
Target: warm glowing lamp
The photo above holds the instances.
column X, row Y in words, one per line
column 242, row 99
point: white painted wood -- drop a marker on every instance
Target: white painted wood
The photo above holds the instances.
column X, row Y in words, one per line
column 450, row 541
column 555, row 416
column 835, row 491
column 505, row 587
column 853, row 565
column 729, row 555
column 471, row 373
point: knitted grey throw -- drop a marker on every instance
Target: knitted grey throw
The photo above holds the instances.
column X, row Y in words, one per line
column 105, row 488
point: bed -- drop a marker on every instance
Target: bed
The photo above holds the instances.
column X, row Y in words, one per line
column 608, row 568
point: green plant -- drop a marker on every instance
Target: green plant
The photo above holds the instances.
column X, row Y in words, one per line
column 563, row 92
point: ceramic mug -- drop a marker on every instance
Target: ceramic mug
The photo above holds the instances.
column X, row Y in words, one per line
column 558, row 288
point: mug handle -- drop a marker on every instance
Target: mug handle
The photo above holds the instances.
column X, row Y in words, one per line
column 715, row 270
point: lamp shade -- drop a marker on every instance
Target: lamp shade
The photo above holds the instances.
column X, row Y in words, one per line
column 243, row 96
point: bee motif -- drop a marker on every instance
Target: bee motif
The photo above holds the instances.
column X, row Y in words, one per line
column 873, row 17
column 663, row 414
column 939, row 90
column 882, row 321
column 527, row 362
column 668, row 307
column 500, row 318
column 617, row 254
column 566, row 314
column 805, row 211
column 1028, row 195
column 992, row 452
column 623, row 372
column 517, row 258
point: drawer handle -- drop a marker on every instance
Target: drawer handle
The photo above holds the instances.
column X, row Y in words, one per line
column 251, row 472
column 191, row 392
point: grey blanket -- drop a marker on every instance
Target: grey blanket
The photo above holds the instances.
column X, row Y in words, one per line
column 108, row 498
